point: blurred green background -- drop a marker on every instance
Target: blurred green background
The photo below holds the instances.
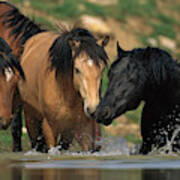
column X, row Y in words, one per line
column 134, row 23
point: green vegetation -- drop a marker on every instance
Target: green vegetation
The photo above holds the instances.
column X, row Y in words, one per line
column 132, row 138
column 43, row 22
column 6, row 141
column 135, row 116
column 163, row 29
column 104, row 81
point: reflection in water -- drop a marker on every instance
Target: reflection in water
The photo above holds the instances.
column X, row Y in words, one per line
column 160, row 174
column 74, row 174
column 18, row 171
column 88, row 174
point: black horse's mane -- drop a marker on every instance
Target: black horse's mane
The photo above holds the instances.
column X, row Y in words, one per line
column 162, row 65
column 22, row 27
column 8, row 60
column 158, row 65
column 61, row 52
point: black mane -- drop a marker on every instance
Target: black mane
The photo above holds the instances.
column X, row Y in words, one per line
column 158, row 63
column 22, row 27
column 155, row 65
column 61, row 52
column 8, row 60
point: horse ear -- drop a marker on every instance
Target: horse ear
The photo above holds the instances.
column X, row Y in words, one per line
column 120, row 51
column 74, row 44
column 147, row 53
column 103, row 42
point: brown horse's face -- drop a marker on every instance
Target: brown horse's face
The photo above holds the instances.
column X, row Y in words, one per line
column 8, row 82
column 87, row 81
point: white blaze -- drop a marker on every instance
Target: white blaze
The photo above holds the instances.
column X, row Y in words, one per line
column 90, row 62
column 9, row 74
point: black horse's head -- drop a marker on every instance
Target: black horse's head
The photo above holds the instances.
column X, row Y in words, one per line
column 126, row 83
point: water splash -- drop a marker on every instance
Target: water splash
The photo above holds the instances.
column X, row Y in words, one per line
column 114, row 145
column 168, row 148
column 54, row 150
column 110, row 146
column 32, row 152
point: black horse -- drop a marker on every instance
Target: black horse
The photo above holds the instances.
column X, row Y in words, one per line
column 152, row 75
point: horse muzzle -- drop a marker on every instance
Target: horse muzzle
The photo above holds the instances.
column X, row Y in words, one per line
column 89, row 111
column 4, row 124
column 103, row 115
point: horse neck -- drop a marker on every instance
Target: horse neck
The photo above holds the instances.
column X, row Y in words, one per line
column 16, row 39
column 66, row 86
column 164, row 91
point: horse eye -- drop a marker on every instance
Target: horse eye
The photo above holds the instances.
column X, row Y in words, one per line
column 77, row 71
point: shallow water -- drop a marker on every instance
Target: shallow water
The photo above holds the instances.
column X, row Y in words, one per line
column 112, row 162
column 85, row 167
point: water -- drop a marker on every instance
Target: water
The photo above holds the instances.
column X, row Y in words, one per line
column 113, row 162
column 46, row 167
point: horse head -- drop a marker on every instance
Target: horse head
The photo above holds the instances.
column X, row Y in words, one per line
column 10, row 73
column 124, row 92
column 87, row 75
column 78, row 53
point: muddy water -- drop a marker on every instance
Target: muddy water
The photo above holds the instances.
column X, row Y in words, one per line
column 85, row 167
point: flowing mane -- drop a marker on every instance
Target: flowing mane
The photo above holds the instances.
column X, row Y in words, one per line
column 61, row 52
column 22, row 27
column 8, row 60
column 160, row 64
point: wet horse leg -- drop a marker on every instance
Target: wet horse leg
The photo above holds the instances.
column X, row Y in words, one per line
column 65, row 140
column 34, row 128
column 97, row 134
column 49, row 135
column 16, row 126
column 94, row 134
column 16, row 129
column 87, row 134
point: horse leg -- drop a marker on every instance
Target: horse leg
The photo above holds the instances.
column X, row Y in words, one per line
column 148, row 139
column 34, row 128
column 87, row 134
column 16, row 130
column 49, row 135
column 66, row 140
column 16, row 126
column 97, row 134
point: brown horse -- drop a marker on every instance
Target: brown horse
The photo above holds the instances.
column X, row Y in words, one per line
column 10, row 73
column 16, row 29
column 63, row 78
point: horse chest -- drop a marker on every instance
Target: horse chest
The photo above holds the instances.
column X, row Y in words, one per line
column 62, row 115
column 165, row 128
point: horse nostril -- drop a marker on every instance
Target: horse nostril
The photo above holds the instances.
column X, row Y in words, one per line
column 90, row 112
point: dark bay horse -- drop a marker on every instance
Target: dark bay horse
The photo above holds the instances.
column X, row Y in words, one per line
column 16, row 29
column 152, row 75
column 61, row 91
column 10, row 73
